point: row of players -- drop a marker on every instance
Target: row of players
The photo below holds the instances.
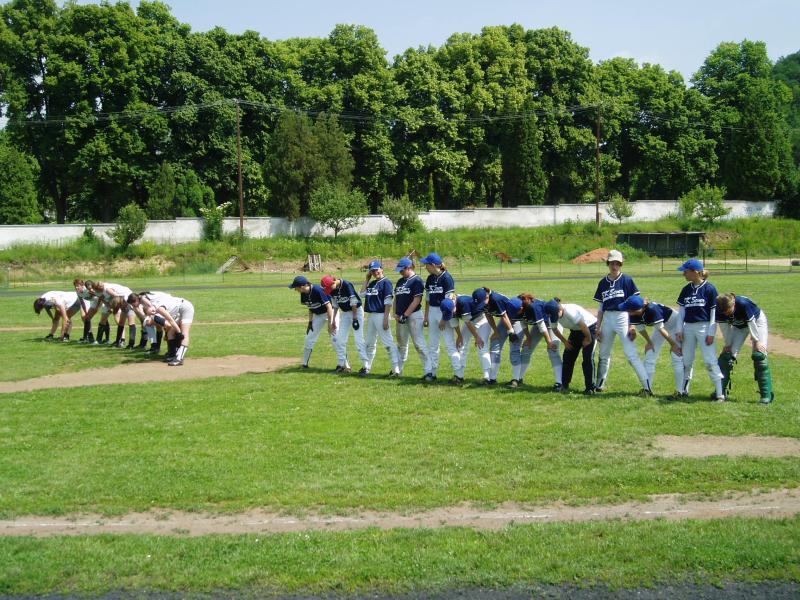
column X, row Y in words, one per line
column 490, row 319
column 156, row 312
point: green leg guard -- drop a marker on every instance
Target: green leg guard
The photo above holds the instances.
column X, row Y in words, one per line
column 726, row 361
column 763, row 377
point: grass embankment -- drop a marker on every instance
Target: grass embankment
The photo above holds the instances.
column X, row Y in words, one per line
column 758, row 237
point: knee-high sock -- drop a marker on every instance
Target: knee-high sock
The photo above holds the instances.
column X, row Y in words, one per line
column 182, row 350
column 159, row 337
column 132, row 335
column 120, row 333
column 87, row 329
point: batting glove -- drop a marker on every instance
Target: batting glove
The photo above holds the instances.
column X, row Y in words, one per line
column 513, row 337
column 402, row 320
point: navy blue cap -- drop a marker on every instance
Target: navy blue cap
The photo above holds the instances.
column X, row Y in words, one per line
column 403, row 263
column 479, row 298
column 432, row 259
column 633, row 303
column 375, row 264
column 448, row 308
column 551, row 310
column 299, row 281
column 691, row 265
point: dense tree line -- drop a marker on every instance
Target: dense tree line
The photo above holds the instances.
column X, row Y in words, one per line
column 107, row 106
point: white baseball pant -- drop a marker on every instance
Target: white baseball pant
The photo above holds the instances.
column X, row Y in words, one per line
column 413, row 329
column 318, row 323
column 434, row 318
column 496, row 348
column 672, row 326
column 735, row 337
column 527, row 353
column 694, row 336
column 484, row 332
column 346, row 318
column 375, row 330
column 615, row 323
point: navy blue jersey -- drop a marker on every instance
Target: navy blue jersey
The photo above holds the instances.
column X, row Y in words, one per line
column 343, row 296
column 316, row 300
column 613, row 292
column 534, row 313
column 467, row 309
column 654, row 313
column 405, row 290
column 377, row 295
column 698, row 302
column 438, row 286
column 744, row 310
column 499, row 305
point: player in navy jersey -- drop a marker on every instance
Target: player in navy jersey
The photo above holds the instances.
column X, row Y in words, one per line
column 439, row 285
column 698, row 308
column 739, row 317
column 378, row 296
column 475, row 326
column 348, row 314
column 408, row 292
column 613, row 290
column 505, row 319
column 320, row 313
column 666, row 324
column 582, row 328
column 537, row 328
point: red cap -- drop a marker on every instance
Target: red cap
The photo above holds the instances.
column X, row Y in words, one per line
column 327, row 283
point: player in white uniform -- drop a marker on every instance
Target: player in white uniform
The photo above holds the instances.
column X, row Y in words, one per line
column 145, row 304
column 108, row 292
column 89, row 303
column 582, row 330
column 476, row 326
column 60, row 307
column 176, row 315
column 408, row 292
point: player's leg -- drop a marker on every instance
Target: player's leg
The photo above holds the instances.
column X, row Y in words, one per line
column 434, row 318
column 709, row 353
column 449, row 336
column 131, row 318
column 345, row 319
column 403, row 335
column 417, row 331
column 358, row 334
column 463, row 352
column 587, row 363
column 689, row 347
column 496, row 350
column 485, row 332
column 374, row 321
column 631, row 351
column 608, row 332
column 387, row 339
column 570, row 357
column 525, row 355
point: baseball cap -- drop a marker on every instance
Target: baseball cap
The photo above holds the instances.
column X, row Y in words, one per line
column 447, row 307
column 691, row 265
column 479, row 298
column 432, row 259
column 615, row 255
column 327, row 283
column 551, row 310
column 298, row 281
column 375, row 264
column 632, row 303
column 403, row 263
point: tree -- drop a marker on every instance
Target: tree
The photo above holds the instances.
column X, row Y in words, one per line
column 402, row 213
column 704, row 202
column 161, row 204
column 338, row 208
column 18, row 172
column 619, row 208
column 131, row 223
column 191, row 195
column 524, row 181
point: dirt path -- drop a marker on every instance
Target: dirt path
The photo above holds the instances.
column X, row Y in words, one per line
column 703, row 446
column 674, row 507
column 194, row 369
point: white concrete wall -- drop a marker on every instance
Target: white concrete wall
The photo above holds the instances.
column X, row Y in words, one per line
column 187, row 230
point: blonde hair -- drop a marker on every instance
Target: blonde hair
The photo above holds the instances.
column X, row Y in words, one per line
column 526, row 298
column 725, row 302
column 704, row 274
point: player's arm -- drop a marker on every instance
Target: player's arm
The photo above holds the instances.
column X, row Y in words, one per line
column 599, row 326
column 65, row 320
column 413, row 306
column 170, row 321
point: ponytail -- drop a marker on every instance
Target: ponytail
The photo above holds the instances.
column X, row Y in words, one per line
column 704, row 274
column 526, row 298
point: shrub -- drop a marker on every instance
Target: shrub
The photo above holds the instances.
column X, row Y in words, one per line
column 212, row 221
column 619, row 208
column 131, row 223
column 338, row 208
column 403, row 215
column 704, row 203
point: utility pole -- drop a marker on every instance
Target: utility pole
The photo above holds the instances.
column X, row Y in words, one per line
column 239, row 160
column 597, row 170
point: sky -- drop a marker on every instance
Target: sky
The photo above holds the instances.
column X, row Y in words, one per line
column 678, row 35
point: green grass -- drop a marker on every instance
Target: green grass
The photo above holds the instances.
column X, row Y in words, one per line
column 304, row 441
column 550, row 244
column 611, row 554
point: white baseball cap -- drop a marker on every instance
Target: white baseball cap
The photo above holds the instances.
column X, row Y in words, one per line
column 615, row 255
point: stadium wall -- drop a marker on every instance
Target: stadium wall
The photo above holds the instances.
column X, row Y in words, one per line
column 188, row 230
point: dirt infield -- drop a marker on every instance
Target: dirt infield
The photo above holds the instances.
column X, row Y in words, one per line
column 194, row 369
column 675, row 507
column 703, row 446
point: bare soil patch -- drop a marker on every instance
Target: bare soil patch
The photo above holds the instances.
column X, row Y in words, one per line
column 193, row 368
column 773, row 504
column 703, row 446
column 596, row 255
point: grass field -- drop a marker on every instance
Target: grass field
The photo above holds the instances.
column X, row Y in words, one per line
column 303, row 442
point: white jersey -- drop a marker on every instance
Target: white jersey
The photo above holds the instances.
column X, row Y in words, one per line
column 172, row 305
column 158, row 299
column 65, row 299
column 573, row 316
column 115, row 290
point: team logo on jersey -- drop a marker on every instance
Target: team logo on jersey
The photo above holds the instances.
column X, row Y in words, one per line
column 612, row 293
column 694, row 302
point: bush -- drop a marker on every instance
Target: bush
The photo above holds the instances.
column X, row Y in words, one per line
column 704, row 203
column 619, row 208
column 403, row 215
column 338, row 208
column 131, row 223
column 212, row 221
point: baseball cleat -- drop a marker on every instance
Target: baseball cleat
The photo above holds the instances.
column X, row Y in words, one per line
column 428, row 377
column 338, row 369
column 175, row 363
column 393, row 375
column 768, row 399
column 456, row 380
column 644, row 393
column 678, row 396
column 557, row 387
column 589, row 392
column 362, row 372
column 513, row 384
